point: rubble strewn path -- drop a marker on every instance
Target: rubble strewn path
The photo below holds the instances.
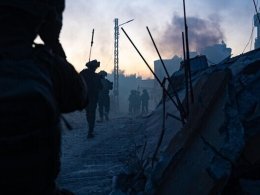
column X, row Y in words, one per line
column 88, row 165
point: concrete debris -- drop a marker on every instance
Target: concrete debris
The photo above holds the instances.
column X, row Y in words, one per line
column 217, row 151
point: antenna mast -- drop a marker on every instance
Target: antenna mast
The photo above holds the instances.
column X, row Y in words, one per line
column 116, row 67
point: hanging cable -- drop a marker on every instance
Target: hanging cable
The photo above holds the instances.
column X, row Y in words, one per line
column 251, row 42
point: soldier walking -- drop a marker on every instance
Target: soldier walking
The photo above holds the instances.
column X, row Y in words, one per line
column 103, row 98
column 93, row 82
column 145, row 100
column 131, row 99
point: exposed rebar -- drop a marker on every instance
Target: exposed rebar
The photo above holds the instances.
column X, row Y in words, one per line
column 182, row 111
column 185, row 74
column 155, row 76
column 188, row 53
column 163, row 124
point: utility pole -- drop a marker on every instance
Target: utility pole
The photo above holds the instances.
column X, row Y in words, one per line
column 116, row 64
column 116, row 67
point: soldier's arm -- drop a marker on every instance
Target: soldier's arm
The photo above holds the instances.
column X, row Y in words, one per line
column 73, row 89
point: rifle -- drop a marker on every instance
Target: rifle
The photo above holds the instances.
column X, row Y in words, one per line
column 91, row 44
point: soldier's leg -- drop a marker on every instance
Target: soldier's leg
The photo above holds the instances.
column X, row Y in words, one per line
column 91, row 117
column 146, row 108
column 129, row 108
column 91, row 120
column 100, row 109
column 107, row 107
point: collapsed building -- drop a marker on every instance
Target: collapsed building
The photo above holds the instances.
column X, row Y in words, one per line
column 216, row 151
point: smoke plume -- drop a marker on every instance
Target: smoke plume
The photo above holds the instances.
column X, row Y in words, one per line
column 202, row 33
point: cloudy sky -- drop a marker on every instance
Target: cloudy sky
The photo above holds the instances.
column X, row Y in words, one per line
column 209, row 22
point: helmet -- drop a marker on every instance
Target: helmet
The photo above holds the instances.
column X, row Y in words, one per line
column 93, row 64
column 103, row 73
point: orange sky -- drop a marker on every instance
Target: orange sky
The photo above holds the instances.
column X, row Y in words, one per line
column 81, row 16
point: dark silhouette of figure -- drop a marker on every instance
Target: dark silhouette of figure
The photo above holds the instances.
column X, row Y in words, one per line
column 131, row 100
column 134, row 102
column 103, row 98
column 36, row 87
column 50, row 29
column 93, row 82
column 137, row 102
column 144, row 101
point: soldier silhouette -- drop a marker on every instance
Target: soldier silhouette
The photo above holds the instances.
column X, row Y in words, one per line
column 93, row 82
column 144, row 101
column 131, row 99
column 103, row 98
column 36, row 87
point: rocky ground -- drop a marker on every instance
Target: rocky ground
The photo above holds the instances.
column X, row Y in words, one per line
column 88, row 165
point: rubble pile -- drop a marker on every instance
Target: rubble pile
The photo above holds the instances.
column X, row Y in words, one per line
column 217, row 150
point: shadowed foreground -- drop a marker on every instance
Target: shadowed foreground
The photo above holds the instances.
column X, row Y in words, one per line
column 88, row 165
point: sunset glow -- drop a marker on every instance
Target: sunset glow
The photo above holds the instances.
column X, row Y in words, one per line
column 230, row 21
